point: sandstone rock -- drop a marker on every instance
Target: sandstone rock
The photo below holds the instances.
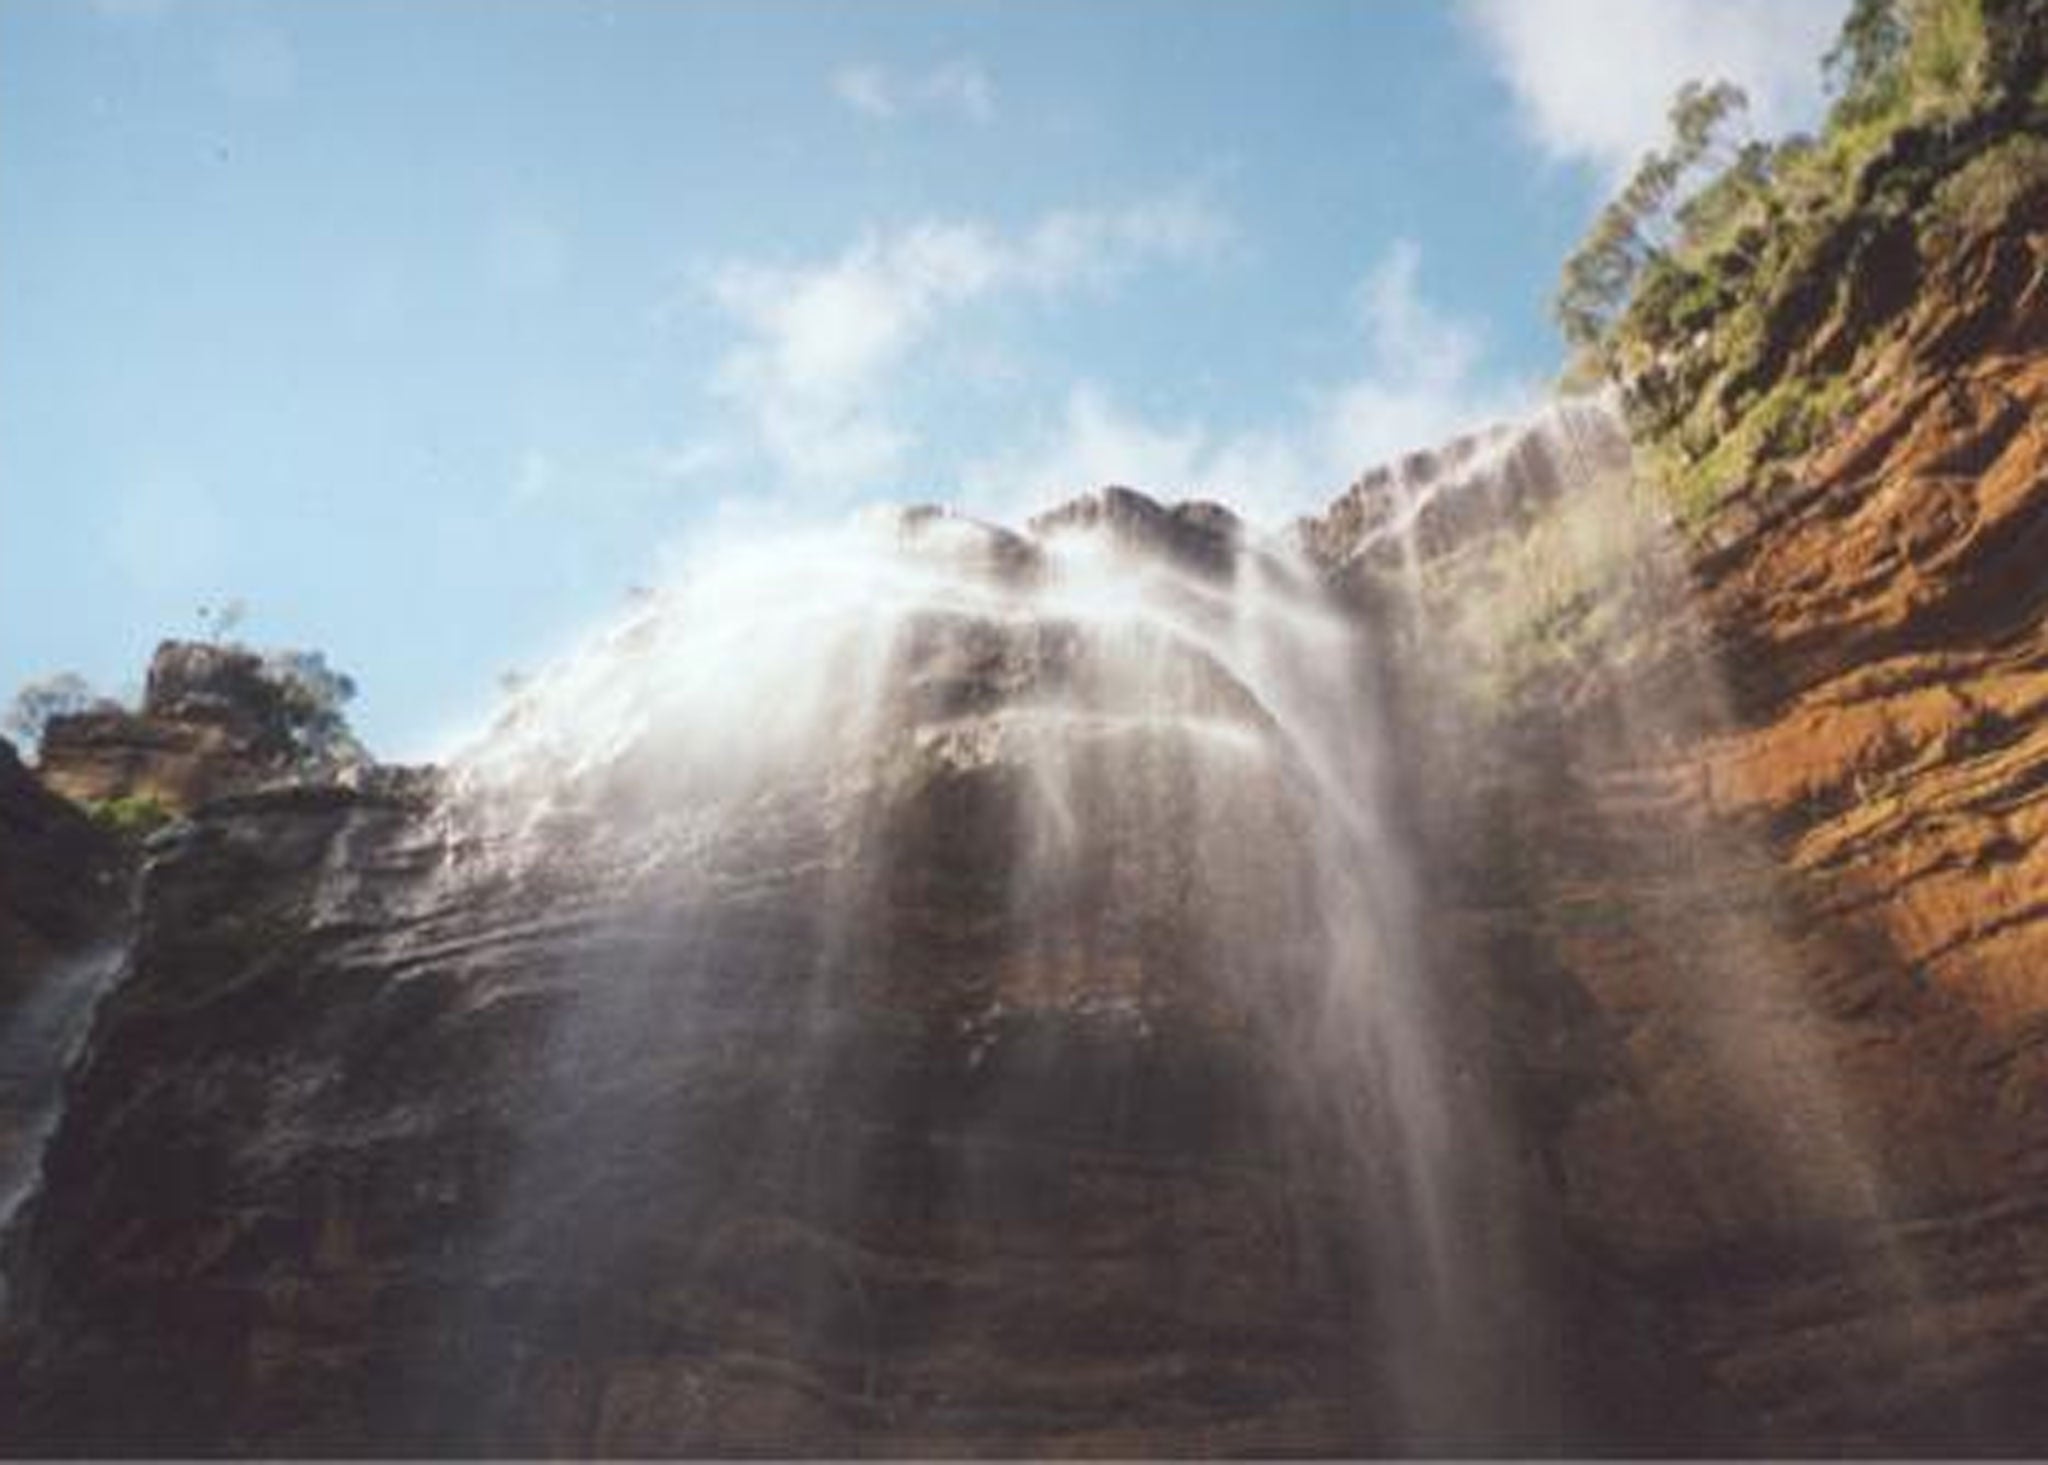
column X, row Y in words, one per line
column 1788, row 859
column 212, row 722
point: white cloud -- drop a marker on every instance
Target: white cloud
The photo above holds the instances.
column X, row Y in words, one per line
column 1592, row 79
column 958, row 88
column 1097, row 442
column 819, row 344
column 1423, row 382
column 866, row 89
column 961, row 86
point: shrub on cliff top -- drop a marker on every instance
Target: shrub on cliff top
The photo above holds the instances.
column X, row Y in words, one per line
column 311, row 695
column 59, row 695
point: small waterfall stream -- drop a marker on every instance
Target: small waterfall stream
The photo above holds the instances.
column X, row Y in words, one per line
column 39, row 1043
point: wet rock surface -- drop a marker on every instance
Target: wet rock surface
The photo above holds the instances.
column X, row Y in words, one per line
column 63, row 907
column 847, row 1132
column 62, row 879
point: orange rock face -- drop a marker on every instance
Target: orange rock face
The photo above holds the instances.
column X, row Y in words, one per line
column 1875, row 791
column 1747, row 826
column 1892, row 621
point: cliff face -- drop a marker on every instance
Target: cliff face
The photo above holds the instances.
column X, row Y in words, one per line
column 1883, row 608
column 912, row 1113
column 1766, row 795
column 862, row 1127
column 1885, row 604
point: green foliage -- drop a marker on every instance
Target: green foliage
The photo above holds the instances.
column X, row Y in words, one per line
column 1632, row 232
column 216, row 622
column 1902, row 60
column 1978, row 196
column 310, row 697
column 1733, row 291
column 1793, row 417
column 1863, row 66
column 133, row 817
column 1946, row 58
column 1698, row 115
column 2016, row 48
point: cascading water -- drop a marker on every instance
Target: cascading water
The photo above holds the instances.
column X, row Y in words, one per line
column 905, row 859
column 39, row 1042
column 1124, row 987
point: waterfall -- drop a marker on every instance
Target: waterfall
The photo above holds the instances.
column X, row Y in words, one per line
column 1126, row 984
column 39, row 1043
column 1060, row 810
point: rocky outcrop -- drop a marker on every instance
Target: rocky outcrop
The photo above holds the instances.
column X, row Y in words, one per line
column 1432, row 506
column 1881, row 607
column 213, row 722
column 1202, row 536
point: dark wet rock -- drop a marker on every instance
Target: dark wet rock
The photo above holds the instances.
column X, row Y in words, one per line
column 851, row 1138
column 63, row 906
column 1439, row 504
column 62, row 878
column 1195, row 534
column 1001, row 554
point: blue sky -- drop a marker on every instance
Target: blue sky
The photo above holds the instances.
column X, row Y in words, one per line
column 428, row 328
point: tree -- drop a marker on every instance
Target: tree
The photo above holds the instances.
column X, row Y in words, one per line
column 1712, row 211
column 1700, row 115
column 1863, row 66
column 58, row 695
column 1635, row 228
column 311, row 695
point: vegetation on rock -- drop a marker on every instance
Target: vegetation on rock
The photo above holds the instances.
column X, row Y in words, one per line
column 133, row 817
column 1742, row 319
column 58, row 695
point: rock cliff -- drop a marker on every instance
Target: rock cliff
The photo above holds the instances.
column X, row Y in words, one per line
column 423, row 1119
column 914, row 1112
column 214, row 720
column 1759, row 798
